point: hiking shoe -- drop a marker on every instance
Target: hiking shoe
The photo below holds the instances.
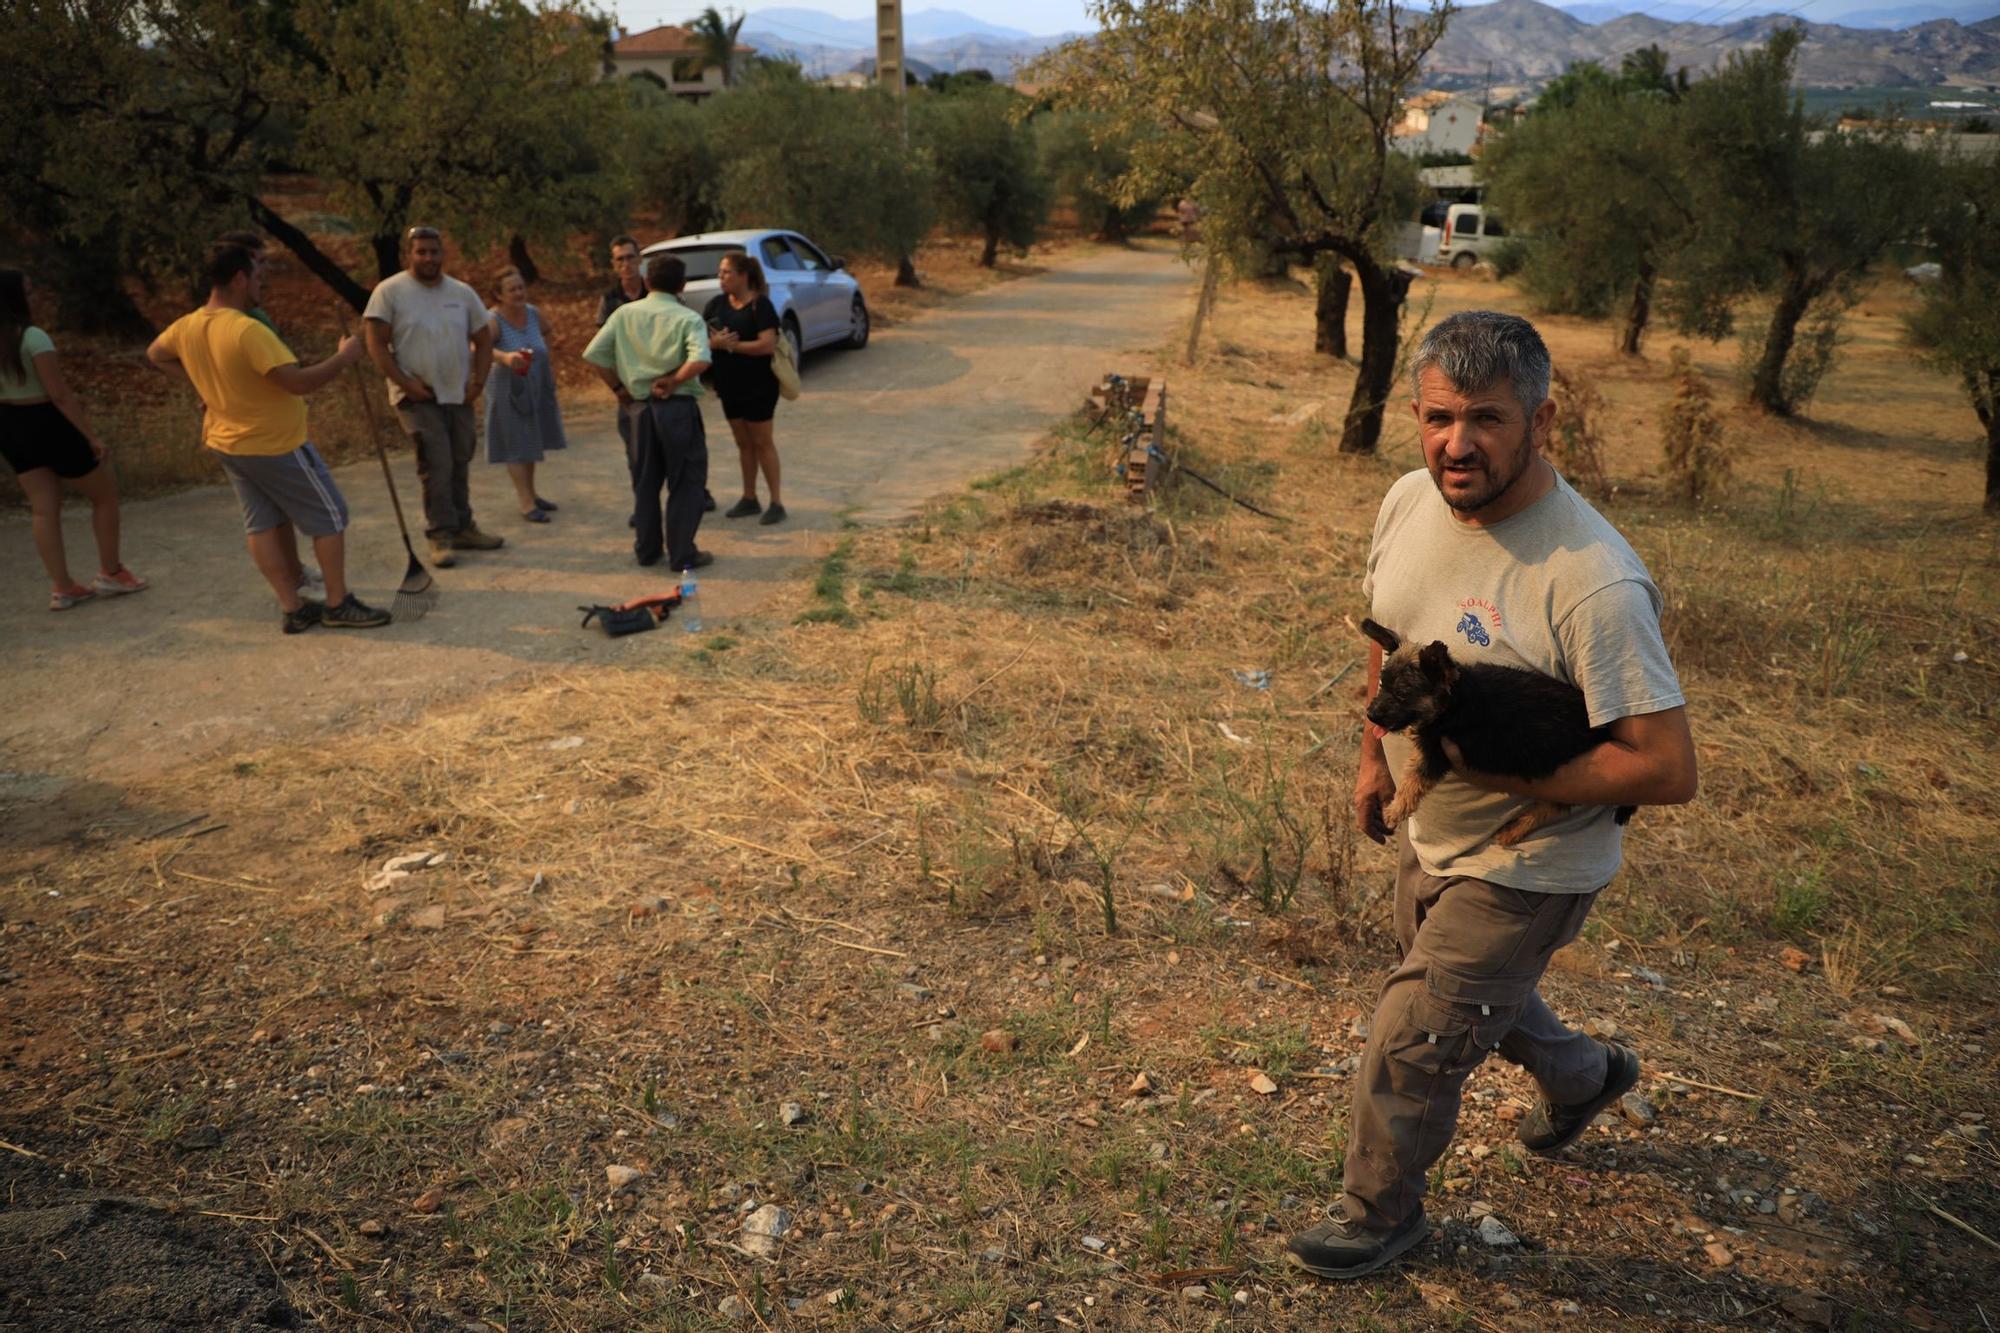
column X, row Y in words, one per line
column 310, row 613
column 1340, row 1249
column 472, row 539
column 775, row 514
column 743, row 508
column 441, row 555
column 62, row 599
column 119, row 582
column 354, row 614
column 1549, row 1129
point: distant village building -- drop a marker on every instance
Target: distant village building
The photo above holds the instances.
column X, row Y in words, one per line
column 1437, row 123
column 669, row 55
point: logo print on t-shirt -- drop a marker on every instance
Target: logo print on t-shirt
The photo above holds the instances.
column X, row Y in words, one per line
column 1474, row 632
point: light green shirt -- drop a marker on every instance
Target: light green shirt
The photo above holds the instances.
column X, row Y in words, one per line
column 27, row 388
column 645, row 339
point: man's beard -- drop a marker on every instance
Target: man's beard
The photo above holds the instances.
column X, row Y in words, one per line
column 1473, row 501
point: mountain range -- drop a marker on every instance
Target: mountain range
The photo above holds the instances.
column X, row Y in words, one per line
column 1506, row 42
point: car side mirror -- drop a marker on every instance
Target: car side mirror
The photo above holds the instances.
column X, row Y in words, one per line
column 838, row 261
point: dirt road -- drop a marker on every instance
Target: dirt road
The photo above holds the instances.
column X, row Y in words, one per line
column 196, row 664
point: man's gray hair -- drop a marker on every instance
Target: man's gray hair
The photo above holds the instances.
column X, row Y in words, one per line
column 1478, row 348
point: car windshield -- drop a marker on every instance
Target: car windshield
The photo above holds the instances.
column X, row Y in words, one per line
column 703, row 261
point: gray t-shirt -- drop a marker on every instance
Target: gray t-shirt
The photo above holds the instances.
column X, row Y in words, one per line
column 1554, row 589
column 430, row 331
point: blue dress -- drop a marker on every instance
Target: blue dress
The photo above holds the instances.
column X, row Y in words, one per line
column 522, row 419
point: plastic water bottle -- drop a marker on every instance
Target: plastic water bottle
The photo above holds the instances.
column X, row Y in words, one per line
column 690, row 602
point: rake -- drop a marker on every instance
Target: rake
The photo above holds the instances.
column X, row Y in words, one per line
column 418, row 592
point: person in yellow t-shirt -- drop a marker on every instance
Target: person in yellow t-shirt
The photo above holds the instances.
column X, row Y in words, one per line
column 254, row 390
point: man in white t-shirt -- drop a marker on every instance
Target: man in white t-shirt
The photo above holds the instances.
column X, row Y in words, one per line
column 429, row 336
column 1489, row 551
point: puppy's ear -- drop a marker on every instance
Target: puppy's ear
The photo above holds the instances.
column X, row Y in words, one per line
column 1386, row 637
column 1436, row 661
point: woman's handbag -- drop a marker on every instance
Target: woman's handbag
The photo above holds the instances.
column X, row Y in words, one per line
column 785, row 369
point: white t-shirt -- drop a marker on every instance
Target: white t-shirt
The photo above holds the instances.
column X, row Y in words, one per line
column 1555, row 589
column 430, row 331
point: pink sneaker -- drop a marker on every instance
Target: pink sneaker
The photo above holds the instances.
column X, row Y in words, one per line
column 62, row 599
column 120, row 582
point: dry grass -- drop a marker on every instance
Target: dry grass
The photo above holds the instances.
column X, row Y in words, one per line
column 994, row 771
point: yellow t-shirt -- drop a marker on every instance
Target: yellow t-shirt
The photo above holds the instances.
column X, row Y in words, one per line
column 226, row 353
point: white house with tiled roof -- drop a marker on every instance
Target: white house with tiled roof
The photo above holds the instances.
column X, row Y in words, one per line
column 664, row 54
column 1437, row 123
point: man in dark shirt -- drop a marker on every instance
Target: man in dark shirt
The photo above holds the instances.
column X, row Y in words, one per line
column 631, row 286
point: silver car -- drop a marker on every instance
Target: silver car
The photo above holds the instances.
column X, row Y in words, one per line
column 819, row 303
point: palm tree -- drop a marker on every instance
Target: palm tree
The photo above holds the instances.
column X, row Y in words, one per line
column 715, row 46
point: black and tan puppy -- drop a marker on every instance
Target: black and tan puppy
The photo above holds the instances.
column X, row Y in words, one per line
column 1504, row 720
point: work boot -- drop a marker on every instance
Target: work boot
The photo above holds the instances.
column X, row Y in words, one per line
column 441, row 555
column 1341, row 1249
column 470, row 538
column 1548, row 1129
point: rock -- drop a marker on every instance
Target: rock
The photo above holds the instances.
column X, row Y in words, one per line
column 1479, row 1209
column 1718, row 1254
column 1795, row 958
column 1095, row 1244
column 1897, row 1028
column 1650, row 977
column 428, row 918
column 998, row 1041
column 764, row 1231
column 1194, row 1293
column 733, row 1308
column 911, row 991
column 1260, row 1082
column 386, row 880
column 374, row 1228
column 1494, row 1233
column 1639, row 1109
column 623, row 1177
column 1479, row 1152
column 566, row 743
column 1570, row 1308
column 791, row 1113
column 411, row 862
column 1240, row 1298
column 1358, row 1029
column 1809, row 1309
column 1141, row 1086
column 199, row 1139
column 1600, row 1027
column 1971, row 1133
column 429, row 1201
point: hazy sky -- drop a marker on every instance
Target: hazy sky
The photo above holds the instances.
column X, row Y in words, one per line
column 1036, row 16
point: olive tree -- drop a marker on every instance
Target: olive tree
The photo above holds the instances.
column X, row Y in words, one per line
column 1279, row 113
column 989, row 178
column 1957, row 325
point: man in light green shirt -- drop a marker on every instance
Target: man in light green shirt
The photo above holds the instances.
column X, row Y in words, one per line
column 650, row 353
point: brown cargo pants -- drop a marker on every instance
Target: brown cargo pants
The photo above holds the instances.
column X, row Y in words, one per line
column 1473, row 954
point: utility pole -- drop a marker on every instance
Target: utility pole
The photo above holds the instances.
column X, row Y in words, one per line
column 889, row 45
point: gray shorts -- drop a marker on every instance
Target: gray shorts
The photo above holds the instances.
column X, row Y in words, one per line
column 293, row 488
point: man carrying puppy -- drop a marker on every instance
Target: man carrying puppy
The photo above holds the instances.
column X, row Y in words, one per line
column 1491, row 552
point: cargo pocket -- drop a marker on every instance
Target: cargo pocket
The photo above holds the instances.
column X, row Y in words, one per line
column 1437, row 1038
column 1487, row 1006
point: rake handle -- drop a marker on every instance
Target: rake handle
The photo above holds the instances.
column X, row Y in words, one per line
column 375, row 432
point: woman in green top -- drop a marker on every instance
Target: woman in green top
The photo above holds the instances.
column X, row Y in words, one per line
column 48, row 441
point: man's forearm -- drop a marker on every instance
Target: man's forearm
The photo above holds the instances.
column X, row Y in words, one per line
column 1651, row 764
column 378, row 351
column 609, row 375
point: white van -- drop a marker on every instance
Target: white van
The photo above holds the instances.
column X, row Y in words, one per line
column 1468, row 235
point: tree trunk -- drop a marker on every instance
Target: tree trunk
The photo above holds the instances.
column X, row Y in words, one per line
column 1383, row 291
column 388, row 249
column 1111, row 227
column 517, row 254
column 1767, row 387
column 992, row 250
column 1638, row 313
column 317, row 261
column 1202, row 305
column 1987, row 404
column 1330, row 311
column 906, row 272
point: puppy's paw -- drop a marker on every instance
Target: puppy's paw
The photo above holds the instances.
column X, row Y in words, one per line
column 1515, row 829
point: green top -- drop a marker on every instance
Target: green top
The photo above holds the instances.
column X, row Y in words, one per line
column 27, row 388
column 645, row 339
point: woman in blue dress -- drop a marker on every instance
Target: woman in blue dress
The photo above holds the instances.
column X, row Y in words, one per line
column 523, row 423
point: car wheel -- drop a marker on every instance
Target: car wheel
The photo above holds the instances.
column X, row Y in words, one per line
column 858, row 324
column 1464, row 259
column 790, row 333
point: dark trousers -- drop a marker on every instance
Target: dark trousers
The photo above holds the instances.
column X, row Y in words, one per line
column 1473, row 957
column 444, row 437
column 671, row 449
column 625, row 438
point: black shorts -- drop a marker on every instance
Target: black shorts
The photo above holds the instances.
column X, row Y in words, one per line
column 38, row 435
column 750, row 402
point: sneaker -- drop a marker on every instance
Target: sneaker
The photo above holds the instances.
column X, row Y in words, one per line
column 1340, row 1249
column 119, row 582
column 1549, row 1129
column 310, row 583
column 441, row 555
column 310, row 613
column 355, row 614
column 775, row 514
column 62, row 599
column 743, row 508
column 546, row 506
column 472, row 539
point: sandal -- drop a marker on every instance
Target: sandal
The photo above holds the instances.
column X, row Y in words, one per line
column 62, row 599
